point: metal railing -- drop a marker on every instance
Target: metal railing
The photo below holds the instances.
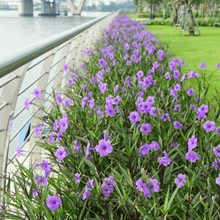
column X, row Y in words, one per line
column 15, row 65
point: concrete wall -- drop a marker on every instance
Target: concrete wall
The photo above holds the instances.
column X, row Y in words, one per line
column 25, row 8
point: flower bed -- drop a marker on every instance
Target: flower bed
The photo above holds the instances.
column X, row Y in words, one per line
column 129, row 141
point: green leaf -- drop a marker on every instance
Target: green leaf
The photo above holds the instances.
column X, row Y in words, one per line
column 125, row 174
column 170, row 201
column 143, row 212
column 166, row 200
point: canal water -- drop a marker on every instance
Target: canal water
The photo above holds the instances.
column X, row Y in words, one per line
column 17, row 32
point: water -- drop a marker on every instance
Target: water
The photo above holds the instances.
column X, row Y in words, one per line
column 17, row 32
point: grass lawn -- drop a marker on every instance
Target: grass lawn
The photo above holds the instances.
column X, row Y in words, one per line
column 194, row 51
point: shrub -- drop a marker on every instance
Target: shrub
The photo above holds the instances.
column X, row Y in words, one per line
column 129, row 139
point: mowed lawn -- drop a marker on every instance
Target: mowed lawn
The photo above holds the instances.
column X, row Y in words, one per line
column 194, row 51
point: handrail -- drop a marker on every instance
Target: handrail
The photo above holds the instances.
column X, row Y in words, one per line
column 18, row 58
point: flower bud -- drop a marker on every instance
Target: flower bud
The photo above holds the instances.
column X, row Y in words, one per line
column 143, row 172
column 201, row 199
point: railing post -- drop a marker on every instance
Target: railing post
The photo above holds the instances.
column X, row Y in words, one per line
column 58, row 80
column 9, row 96
column 42, row 85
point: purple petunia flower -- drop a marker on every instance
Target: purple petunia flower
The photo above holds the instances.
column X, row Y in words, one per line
column 192, row 143
column 181, row 180
column 134, row 117
column 153, row 185
column 34, row 191
column 216, row 164
column 65, row 67
column 216, row 151
column 146, row 128
column 19, row 152
column 217, row 180
column 217, row 131
column 37, row 93
column 70, row 81
column 67, row 102
column 104, row 147
column 37, row 130
column 26, row 104
column 77, row 175
column 53, row 202
column 192, row 156
column 108, row 186
column 145, row 149
column 155, row 145
column 164, row 160
column 209, row 126
column 190, row 92
column 58, row 98
column 110, row 110
column 177, row 124
column 60, row 153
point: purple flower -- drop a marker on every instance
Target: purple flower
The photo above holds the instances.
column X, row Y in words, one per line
column 88, row 149
column 55, row 126
column 140, row 73
column 216, row 164
column 190, row 92
column 164, row 160
column 115, row 88
column 203, row 65
column 60, row 153
column 19, row 152
column 192, row 143
column 63, row 124
column 217, row 180
column 153, row 185
column 65, row 67
column 37, row 130
column 77, row 175
column 209, row 126
column 145, row 149
column 41, row 180
column 216, row 151
column 58, row 98
column 134, row 117
column 67, row 102
column 51, row 138
column 155, row 145
column 146, row 128
column 53, row 202
column 176, row 74
column 217, row 131
column 103, row 88
column 218, row 65
column 26, row 104
column 105, row 136
column 45, row 165
column 104, row 147
column 177, row 87
column 181, row 180
column 70, row 81
column 192, row 107
column 192, row 156
column 108, row 186
column 37, row 93
column 34, row 191
column 177, row 124
column 110, row 110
